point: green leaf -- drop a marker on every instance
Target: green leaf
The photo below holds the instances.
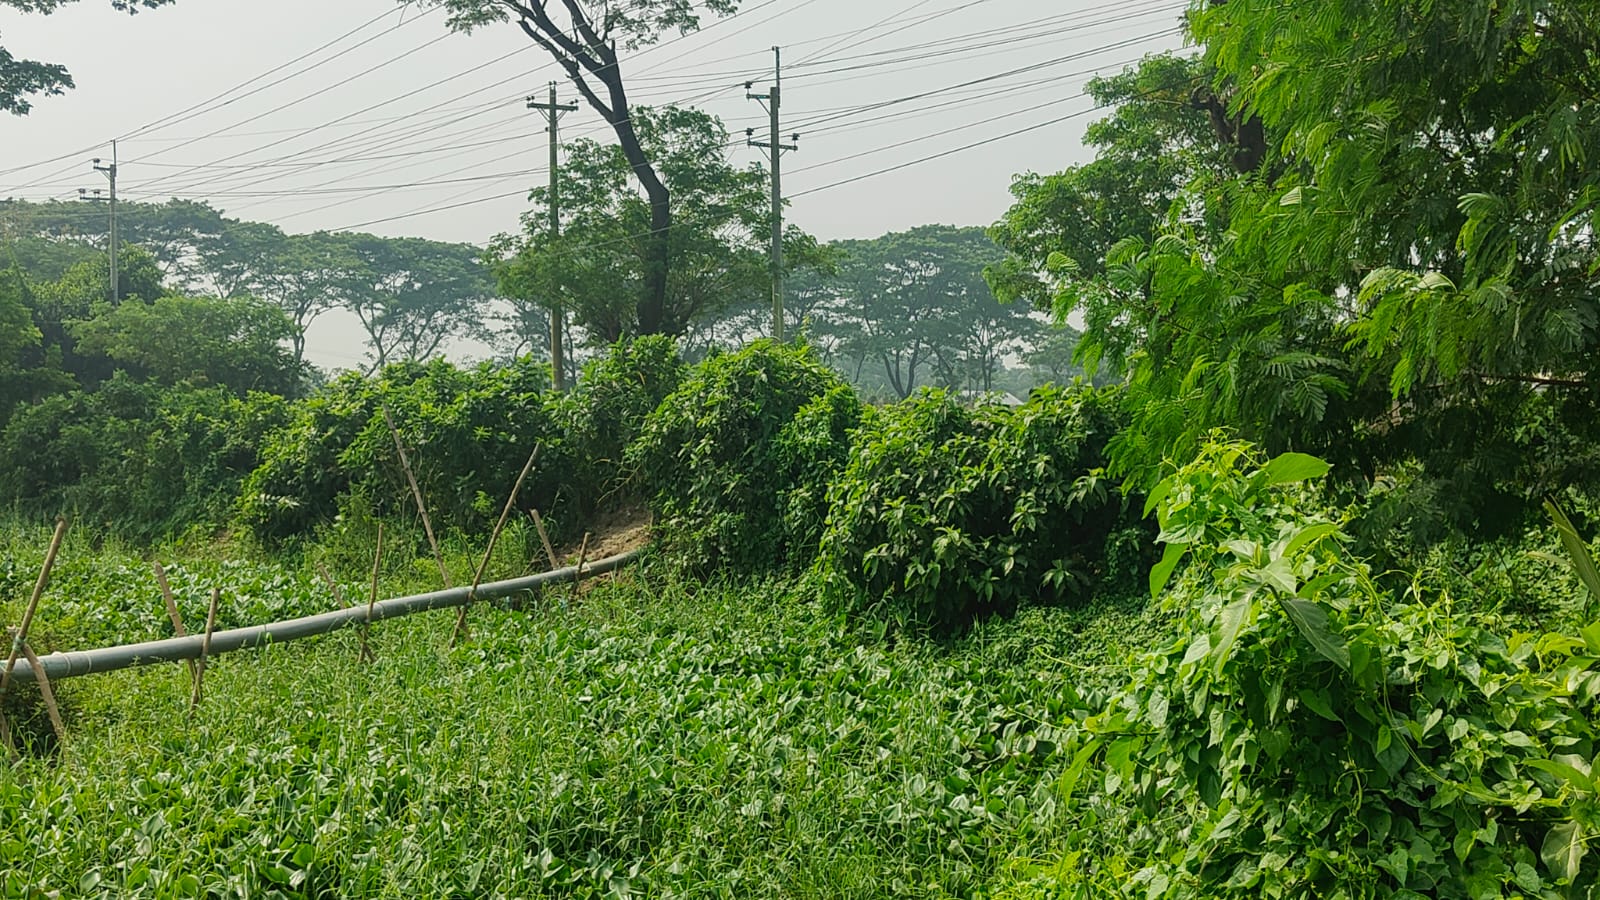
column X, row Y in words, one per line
column 1069, row 778
column 1582, row 563
column 1157, row 494
column 1563, row 850
column 1591, row 638
column 1163, row 569
column 1308, row 535
column 1317, row 702
column 1561, row 770
column 1230, row 623
column 1290, row 468
column 1312, row 620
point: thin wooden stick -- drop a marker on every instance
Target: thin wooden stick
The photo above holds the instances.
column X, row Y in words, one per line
column 488, row 551
column 333, row 586
column 48, row 694
column 494, row 537
column 416, row 492
column 33, row 603
column 583, row 555
column 172, row 611
column 544, row 537
column 205, row 650
column 372, row 600
column 5, row 737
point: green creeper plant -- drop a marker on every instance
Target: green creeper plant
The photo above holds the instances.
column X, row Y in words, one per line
column 945, row 512
column 1307, row 734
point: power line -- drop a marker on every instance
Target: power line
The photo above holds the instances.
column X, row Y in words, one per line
column 184, row 115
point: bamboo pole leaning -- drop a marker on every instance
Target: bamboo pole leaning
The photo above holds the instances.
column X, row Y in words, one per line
column 19, row 641
column 367, row 655
column 460, row 632
column 416, row 494
column 172, row 611
column 205, row 651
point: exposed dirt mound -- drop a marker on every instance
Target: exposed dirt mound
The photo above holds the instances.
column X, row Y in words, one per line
column 617, row 531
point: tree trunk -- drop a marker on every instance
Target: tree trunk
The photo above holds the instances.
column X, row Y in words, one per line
column 585, row 52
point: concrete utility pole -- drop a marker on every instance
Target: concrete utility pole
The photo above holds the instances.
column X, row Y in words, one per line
column 111, row 174
column 776, row 146
column 558, row 316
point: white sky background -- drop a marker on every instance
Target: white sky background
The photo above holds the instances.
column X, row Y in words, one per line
column 379, row 136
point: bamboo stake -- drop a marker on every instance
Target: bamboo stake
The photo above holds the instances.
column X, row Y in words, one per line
column 494, row 537
column 172, row 611
column 5, row 737
column 48, row 694
column 372, row 600
column 583, row 554
column 205, row 650
column 333, row 586
column 33, row 603
column 544, row 537
column 416, row 493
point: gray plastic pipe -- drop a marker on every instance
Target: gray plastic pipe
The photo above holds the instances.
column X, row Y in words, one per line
column 110, row 659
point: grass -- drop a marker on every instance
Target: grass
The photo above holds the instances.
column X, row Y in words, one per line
column 659, row 739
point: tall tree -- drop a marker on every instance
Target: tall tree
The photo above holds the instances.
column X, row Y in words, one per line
column 584, row 37
column 302, row 274
column 916, row 302
column 717, row 249
column 1407, row 270
column 24, row 78
column 412, row 295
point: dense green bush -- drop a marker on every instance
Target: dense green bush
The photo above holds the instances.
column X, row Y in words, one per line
column 945, row 512
column 141, row 459
column 467, row 431
column 605, row 411
column 808, row 454
column 717, row 464
column 1306, row 733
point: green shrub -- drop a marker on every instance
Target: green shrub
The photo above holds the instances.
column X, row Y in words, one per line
column 467, row 431
column 1305, row 733
column 143, row 460
column 716, row 462
column 606, row 410
column 944, row 512
column 808, row 453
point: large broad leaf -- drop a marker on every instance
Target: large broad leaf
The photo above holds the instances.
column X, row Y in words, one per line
column 1563, row 850
column 1163, row 569
column 1229, row 623
column 1294, row 467
column 1312, row 620
column 1577, row 548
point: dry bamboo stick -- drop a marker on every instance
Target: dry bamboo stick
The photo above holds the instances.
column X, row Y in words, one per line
column 583, row 555
column 205, row 650
column 333, row 586
column 372, row 600
column 172, row 611
column 33, row 603
column 416, row 493
column 544, row 538
column 48, row 694
column 494, row 537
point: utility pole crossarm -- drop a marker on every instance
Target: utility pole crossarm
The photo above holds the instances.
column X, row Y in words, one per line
column 775, row 147
column 110, row 172
column 553, row 111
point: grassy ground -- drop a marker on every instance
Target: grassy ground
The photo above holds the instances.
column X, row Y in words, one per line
column 655, row 739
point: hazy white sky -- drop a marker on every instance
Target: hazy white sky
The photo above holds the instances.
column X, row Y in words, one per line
column 399, row 127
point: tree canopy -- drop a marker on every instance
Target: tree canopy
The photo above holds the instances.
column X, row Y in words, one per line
column 584, row 38
column 1400, row 264
column 598, row 264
